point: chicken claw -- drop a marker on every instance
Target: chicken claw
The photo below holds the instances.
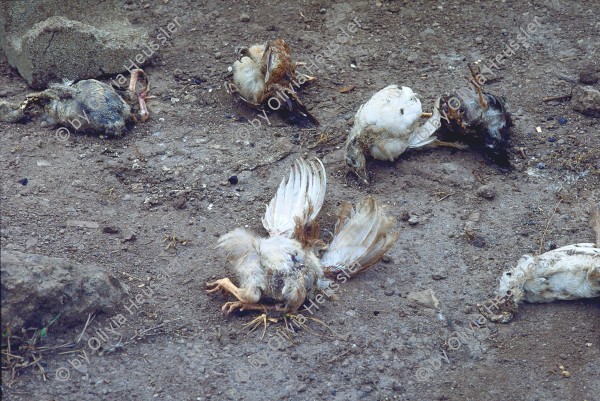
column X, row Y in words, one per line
column 226, row 286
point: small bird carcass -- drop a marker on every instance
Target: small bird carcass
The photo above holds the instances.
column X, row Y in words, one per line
column 282, row 271
column 478, row 119
column 386, row 126
column 566, row 273
column 264, row 74
column 87, row 106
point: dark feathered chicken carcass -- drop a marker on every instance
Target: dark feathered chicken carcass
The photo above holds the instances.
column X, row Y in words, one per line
column 478, row 119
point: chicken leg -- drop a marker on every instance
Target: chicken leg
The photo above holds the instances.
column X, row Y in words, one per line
column 143, row 95
column 242, row 304
column 473, row 80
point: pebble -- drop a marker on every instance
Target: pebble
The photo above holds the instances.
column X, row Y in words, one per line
column 541, row 166
column 479, row 40
column 413, row 220
column 23, row 181
column 588, row 75
column 561, row 120
column 487, row 191
column 244, row 18
column 233, row 179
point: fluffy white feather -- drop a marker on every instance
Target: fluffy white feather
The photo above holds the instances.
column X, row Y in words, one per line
column 248, row 75
column 299, row 199
column 391, row 118
column 566, row 273
column 362, row 235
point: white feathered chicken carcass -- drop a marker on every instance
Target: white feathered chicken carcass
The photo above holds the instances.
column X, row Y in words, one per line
column 566, row 273
column 286, row 269
column 387, row 125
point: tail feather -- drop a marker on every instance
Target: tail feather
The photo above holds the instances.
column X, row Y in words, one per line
column 362, row 236
column 297, row 112
column 297, row 201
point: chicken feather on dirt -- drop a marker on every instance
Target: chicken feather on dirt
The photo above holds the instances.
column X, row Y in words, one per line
column 87, row 106
column 386, row 126
column 566, row 273
column 265, row 74
column 285, row 269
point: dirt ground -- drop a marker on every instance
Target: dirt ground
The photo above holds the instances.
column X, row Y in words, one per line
column 164, row 188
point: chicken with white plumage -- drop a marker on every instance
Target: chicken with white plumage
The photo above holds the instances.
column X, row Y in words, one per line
column 566, row 273
column 387, row 125
column 290, row 266
column 265, row 75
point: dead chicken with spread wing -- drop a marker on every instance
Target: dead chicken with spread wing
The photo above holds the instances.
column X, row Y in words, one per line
column 287, row 268
column 265, row 74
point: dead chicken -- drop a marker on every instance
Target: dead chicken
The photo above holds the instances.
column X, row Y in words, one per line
column 89, row 106
column 282, row 271
column 478, row 119
column 566, row 273
column 386, row 126
column 266, row 75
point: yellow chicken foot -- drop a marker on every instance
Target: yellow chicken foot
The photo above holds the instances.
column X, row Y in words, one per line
column 226, row 286
column 455, row 145
column 229, row 307
column 263, row 319
column 143, row 95
column 307, row 78
column 478, row 89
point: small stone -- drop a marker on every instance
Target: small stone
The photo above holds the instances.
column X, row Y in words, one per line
column 218, row 55
column 479, row 40
column 478, row 242
column 586, row 100
column 566, row 374
column 561, row 120
column 244, row 18
column 550, row 245
column 386, row 258
column 424, row 298
column 389, row 291
column 110, row 230
column 487, row 191
column 588, row 75
column 541, row 166
column 233, row 180
column 413, row 220
column 23, row 181
column 129, row 236
column 439, row 275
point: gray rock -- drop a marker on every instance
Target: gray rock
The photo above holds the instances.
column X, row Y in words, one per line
column 424, row 298
column 588, row 75
column 36, row 288
column 48, row 40
column 244, row 18
column 487, row 191
column 586, row 100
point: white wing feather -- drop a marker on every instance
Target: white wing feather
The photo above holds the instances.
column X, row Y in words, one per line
column 300, row 198
column 361, row 239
